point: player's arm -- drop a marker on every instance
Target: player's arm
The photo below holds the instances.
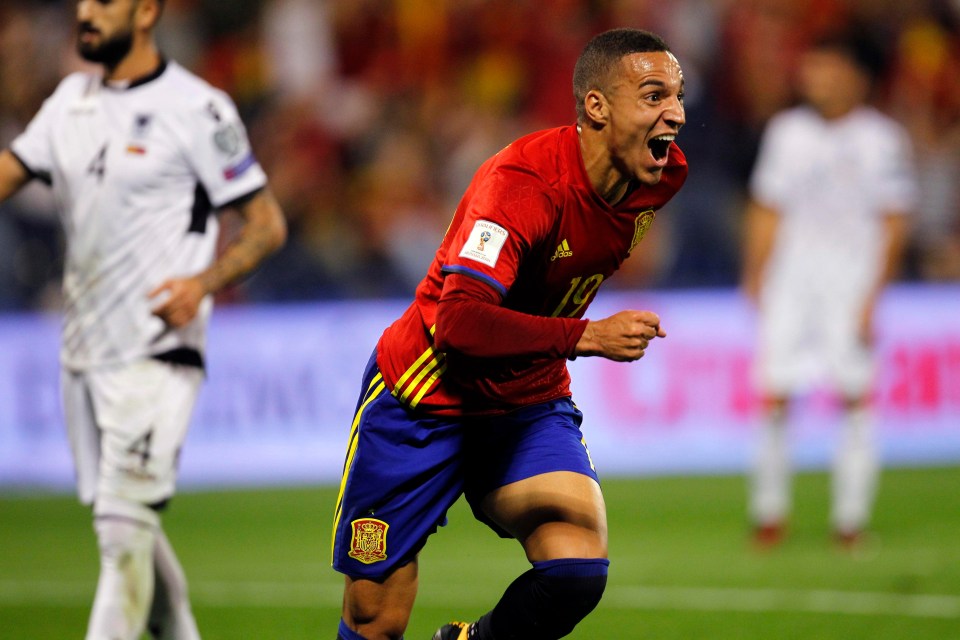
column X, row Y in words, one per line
column 761, row 225
column 13, row 174
column 263, row 232
column 471, row 321
column 896, row 230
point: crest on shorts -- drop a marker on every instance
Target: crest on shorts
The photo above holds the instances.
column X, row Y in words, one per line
column 369, row 542
column 640, row 226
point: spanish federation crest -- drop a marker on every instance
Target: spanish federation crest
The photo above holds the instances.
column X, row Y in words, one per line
column 640, row 226
column 369, row 542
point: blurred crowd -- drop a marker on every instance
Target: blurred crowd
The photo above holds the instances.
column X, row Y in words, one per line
column 370, row 116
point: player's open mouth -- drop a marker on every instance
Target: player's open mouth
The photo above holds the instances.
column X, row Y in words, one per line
column 660, row 146
column 86, row 32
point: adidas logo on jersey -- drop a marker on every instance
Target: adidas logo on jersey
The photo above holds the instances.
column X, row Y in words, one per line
column 563, row 251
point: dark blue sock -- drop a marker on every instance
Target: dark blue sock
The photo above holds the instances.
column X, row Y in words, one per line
column 546, row 602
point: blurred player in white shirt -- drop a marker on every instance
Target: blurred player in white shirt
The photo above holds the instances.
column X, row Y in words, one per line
column 826, row 228
column 139, row 158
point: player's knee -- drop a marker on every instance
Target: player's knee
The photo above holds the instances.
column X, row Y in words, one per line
column 573, row 588
column 376, row 611
column 125, row 530
column 385, row 624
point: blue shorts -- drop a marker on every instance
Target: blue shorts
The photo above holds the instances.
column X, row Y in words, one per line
column 404, row 470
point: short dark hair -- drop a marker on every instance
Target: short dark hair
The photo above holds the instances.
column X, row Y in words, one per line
column 602, row 53
column 857, row 44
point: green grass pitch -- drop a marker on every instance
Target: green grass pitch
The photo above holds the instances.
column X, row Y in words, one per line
column 681, row 565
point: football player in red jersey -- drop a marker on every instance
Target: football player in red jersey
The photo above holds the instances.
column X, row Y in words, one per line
column 468, row 391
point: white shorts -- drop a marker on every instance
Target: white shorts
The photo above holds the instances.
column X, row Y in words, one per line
column 126, row 425
column 808, row 338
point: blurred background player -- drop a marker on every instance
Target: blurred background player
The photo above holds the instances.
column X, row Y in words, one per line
column 468, row 392
column 826, row 228
column 138, row 159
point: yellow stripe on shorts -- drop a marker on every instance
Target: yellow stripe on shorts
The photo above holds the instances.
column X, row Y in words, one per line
column 377, row 387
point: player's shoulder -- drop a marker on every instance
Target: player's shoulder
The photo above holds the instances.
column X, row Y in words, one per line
column 183, row 88
column 537, row 169
column 79, row 80
column 542, row 155
column 875, row 120
column 521, row 178
column 77, row 84
column 794, row 119
column 793, row 126
column 176, row 74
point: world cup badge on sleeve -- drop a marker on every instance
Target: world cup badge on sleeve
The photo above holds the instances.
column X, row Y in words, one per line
column 484, row 242
column 484, row 239
column 369, row 542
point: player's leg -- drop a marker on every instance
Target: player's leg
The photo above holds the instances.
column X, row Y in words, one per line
column 560, row 520
column 856, row 465
column 770, row 480
column 545, row 494
column 142, row 410
column 856, row 470
column 378, row 609
column 125, row 535
column 171, row 617
column 782, row 367
column 401, row 474
column 82, row 433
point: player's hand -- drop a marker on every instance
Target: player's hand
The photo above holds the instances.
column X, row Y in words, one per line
column 179, row 300
column 622, row 337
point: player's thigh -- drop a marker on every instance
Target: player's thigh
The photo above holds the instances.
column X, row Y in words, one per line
column 530, row 476
column 788, row 340
column 402, row 473
column 850, row 361
column 143, row 411
column 560, row 514
column 82, row 432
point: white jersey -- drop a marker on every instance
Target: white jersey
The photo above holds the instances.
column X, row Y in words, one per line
column 832, row 182
column 137, row 172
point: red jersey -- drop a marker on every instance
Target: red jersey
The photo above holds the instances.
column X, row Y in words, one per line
column 533, row 229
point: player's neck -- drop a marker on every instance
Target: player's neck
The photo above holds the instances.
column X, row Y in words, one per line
column 143, row 59
column 610, row 184
column 837, row 109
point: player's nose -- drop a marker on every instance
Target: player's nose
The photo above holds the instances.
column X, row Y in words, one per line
column 84, row 10
column 674, row 113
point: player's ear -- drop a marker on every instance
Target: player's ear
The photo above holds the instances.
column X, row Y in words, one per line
column 147, row 13
column 596, row 108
